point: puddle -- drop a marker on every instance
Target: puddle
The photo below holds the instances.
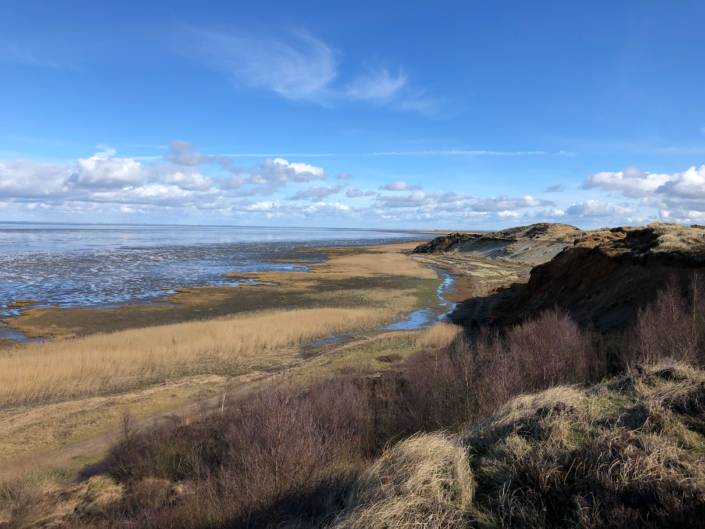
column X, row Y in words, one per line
column 8, row 333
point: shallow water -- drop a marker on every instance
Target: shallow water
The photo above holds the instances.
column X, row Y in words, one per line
column 425, row 317
column 101, row 265
column 417, row 319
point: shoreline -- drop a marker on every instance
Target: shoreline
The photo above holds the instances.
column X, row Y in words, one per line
column 235, row 293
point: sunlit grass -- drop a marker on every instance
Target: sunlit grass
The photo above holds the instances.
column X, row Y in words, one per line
column 113, row 362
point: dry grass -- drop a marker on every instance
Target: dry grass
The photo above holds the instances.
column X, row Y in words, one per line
column 438, row 336
column 626, row 453
column 114, row 362
column 40, row 502
column 424, row 481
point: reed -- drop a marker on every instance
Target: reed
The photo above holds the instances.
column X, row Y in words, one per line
column 107, row 363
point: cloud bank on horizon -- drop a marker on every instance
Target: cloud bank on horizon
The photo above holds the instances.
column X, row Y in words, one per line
column 309, row 116
column 185, row 180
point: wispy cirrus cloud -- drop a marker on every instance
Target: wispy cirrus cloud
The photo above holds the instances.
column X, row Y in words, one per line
column 295, row 66
column 299, row 66
column 23, row 55
column 378, row 85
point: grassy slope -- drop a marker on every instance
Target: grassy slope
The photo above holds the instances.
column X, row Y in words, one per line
column 629, row 452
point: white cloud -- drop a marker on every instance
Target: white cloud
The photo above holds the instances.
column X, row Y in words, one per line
column 678, row 196
column 632, row 182
column 22, row 178
column 596, row 208
column 425, row 201
column 102, row 170
column 265, row 205
column 509, row 203
column 317, row 193
column 188, row 180
column 688, row 184
column 279, row 171
column 399, row 185
column 508, row 213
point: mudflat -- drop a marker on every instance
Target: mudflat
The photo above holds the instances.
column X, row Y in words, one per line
column 348, row 277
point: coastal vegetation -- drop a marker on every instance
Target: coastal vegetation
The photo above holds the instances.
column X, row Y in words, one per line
column 544, row 423
column 108, row 363
column 346, row 277
column 541, row 430
column 60, row 400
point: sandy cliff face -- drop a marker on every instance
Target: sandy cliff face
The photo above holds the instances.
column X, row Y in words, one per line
column 605, row 277
column 533, row 244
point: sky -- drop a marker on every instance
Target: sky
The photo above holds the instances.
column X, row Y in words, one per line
column 409, row 114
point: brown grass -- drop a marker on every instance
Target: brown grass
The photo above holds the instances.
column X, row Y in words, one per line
column 438, row 336
column 115, row 362
column 423, row 481
column 612, row 456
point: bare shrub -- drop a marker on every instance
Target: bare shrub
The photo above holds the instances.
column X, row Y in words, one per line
column 673, row 326
column 439, row 388
column 550, row 350
column 256, row 455
column 290, row 455
column 469, row 380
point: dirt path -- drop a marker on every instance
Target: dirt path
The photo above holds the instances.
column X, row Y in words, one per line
column 477, row 276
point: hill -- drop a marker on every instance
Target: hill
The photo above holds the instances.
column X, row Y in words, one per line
column 533, row 244
column 602, row 279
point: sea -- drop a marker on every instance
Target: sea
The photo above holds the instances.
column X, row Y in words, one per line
column 84, row 265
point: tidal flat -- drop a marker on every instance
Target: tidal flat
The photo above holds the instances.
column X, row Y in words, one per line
column 66, row 395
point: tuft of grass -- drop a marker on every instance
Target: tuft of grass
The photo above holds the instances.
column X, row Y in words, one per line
column 423, row 481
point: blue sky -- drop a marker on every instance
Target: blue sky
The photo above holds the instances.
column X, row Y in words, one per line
column 397, row 114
